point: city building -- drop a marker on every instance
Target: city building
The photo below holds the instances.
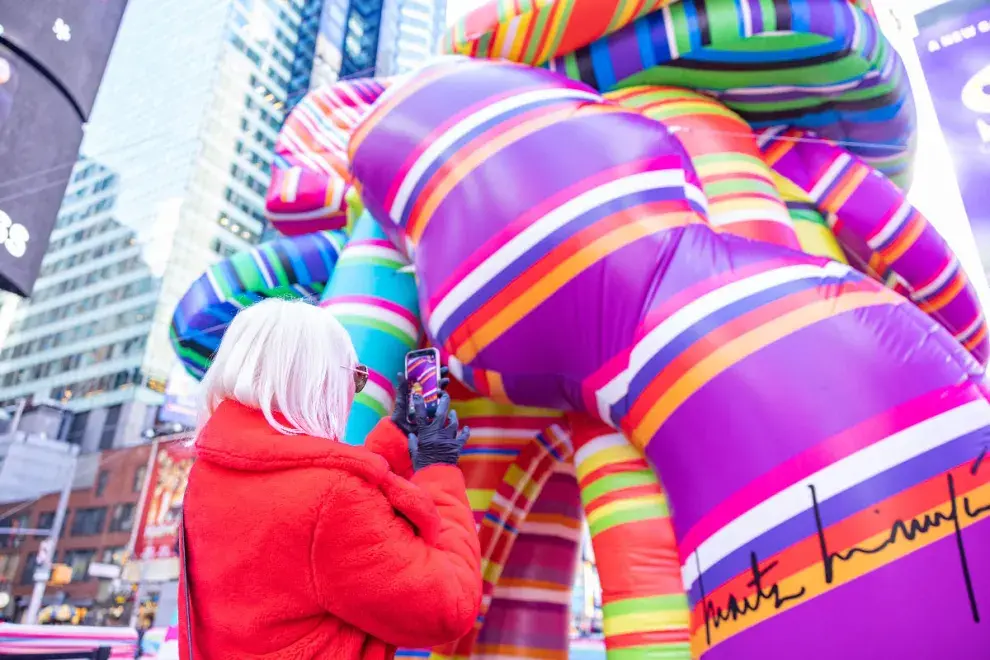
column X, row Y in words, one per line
column 34, row 458
column 95, row 536
column 81, row 337
column 176, row 165
column 376, row 38
column 410, row 34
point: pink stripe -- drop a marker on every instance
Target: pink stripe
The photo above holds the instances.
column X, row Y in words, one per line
column 443, row 128
column 381, row 381
column 524, row 221
column 830, row 451
column 290, row 227
column 620, row 361
column 376, row 242
column 374, row 302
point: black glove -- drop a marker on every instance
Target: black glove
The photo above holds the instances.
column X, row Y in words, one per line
column 437, row 440
column 402, row 412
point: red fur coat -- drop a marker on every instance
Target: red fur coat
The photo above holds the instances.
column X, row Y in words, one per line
column 304, row 548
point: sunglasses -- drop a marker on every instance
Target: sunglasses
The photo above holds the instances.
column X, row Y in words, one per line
column 360, row 376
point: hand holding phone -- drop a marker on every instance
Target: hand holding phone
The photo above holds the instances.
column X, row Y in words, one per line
column 423, row 375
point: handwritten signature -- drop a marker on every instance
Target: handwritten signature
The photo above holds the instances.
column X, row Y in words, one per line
column 768, row 593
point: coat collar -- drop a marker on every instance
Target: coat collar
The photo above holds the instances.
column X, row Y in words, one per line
column 240, row 438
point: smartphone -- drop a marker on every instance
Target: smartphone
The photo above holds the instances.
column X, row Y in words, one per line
column 423, row 375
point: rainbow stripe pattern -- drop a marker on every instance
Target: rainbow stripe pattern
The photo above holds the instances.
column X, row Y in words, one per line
column 310, row 177
column 881, row 231
column 529, row 616
column 817, row 64
column 646, row 614
column 377, row 305
column 291, row 268
column 742, row 198
column 744, row 371
column 521, row 485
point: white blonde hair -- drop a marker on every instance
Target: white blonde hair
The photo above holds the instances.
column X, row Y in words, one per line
column 286, row 357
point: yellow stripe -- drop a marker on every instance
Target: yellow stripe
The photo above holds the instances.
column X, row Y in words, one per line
column 563, row 273
column 733, row 352
column 639, row 622
column 817, row 240
column 626, row 504
column 470, row 160
column 614, row 454
column 480, row 498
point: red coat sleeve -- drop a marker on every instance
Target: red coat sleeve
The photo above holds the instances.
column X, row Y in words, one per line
column 388, row 441
column 374, row 571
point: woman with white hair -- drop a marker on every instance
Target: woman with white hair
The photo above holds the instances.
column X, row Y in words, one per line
column 299, row 546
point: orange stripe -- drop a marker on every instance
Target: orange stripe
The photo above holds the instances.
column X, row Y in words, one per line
column 905, row 239
column 467, row 159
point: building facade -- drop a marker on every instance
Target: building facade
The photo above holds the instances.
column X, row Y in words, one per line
column 98, row 529
column 376, row 38
column 177, row 162
column 410, row 35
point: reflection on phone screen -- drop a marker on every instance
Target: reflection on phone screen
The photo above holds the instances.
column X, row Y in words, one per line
column 422, row 374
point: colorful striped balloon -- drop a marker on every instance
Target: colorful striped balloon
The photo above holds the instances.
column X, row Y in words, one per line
column 812, row 230
column 879, row 228
column 377, row 305
column 820, row 65
column 290, row 268
column 310, row 176
column 534, row 31
column 742, row 199
column 645, row 611
column 811, row 426
column 521, row 485
column 530, row 612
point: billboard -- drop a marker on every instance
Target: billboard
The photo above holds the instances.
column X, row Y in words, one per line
column 52, row 58
column 158, row 524
column 40, row 134
column 181, row 398
column 953, row 45
column 68, row 39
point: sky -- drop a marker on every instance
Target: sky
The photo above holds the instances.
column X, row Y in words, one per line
column 934, row 191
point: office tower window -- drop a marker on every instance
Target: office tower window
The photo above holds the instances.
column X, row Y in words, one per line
column 88, row 522
column 77, row 429
column 110, row 427
column 101, row 482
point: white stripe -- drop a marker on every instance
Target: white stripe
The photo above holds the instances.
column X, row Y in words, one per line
column 599, row 444
column 263, row 269
column 680, row 321
column 290, row 185
column 379, row 394
column 304, row 215
column 768, row 214
column 831, row 175
column 970, row 329
column 668, row 23
column 533, row 595
column 510, row 37
column 896, row 221
column 374, row 312
column 466, row 126
column 836, row 479
column 559, row 217
column 374, row 252
column 747, row 16
column 550, row 529
column 947, row 274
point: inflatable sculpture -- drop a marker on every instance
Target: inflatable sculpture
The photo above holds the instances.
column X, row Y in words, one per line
column 665, row 249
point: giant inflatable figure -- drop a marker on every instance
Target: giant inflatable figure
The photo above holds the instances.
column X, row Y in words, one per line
column 665, row 249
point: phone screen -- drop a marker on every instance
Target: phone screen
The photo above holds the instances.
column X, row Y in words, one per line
column 423, row 374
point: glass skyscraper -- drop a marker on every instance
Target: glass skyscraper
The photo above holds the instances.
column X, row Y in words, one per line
column 183, row 129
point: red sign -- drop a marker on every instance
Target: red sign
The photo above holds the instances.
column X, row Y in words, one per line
column 158, row 534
